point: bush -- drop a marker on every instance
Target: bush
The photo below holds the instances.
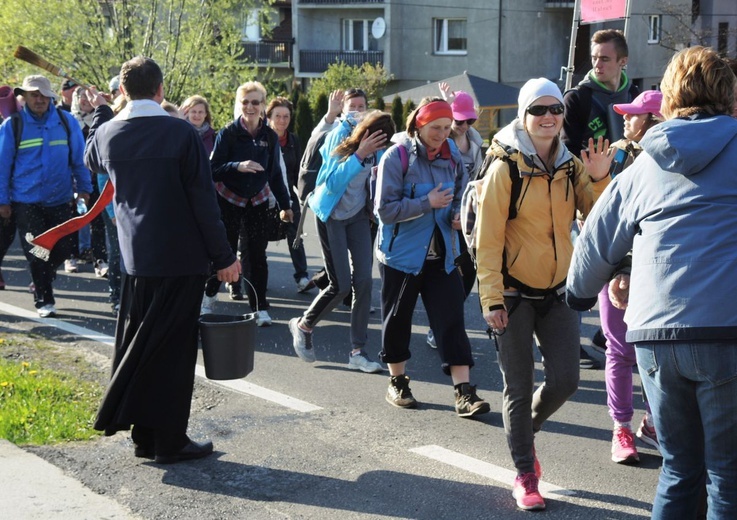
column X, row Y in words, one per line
column 398, row 113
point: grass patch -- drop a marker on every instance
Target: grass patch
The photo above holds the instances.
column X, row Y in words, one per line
column 39, row 405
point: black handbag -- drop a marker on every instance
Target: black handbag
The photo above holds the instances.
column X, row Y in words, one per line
column 276, row 229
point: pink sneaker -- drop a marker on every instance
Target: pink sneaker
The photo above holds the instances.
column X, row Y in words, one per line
column 526, row 494
column 647, row 434
column 623, row 446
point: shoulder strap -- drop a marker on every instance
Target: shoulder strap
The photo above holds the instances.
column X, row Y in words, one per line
column 16, row 122
column 65, row 124
column 404, row 157
column 516, row 179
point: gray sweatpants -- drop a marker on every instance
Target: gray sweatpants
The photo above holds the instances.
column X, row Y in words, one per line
column 558, row 334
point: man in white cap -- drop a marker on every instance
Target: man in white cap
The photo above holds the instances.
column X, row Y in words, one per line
column 43, row 169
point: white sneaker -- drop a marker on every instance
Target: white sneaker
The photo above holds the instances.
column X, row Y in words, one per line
column 304, row 284
column 101, row 269
column 431, row 339
column 70, row 265
column 263, row 319
column 301, row 342
column 47, row 311
column 208, row 304
column 362, row 362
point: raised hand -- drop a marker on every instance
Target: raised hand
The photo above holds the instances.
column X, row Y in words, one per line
column 597, row 159
column 371, row 143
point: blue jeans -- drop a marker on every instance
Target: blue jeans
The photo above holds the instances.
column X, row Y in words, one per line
column 692, row 391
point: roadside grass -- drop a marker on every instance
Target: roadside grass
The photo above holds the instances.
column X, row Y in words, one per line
column 42, row 399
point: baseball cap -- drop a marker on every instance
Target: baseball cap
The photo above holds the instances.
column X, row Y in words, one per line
column 647, row 102
column 463, row 107
column 35, row 82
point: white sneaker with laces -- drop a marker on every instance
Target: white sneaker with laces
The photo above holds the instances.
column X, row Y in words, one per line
column 263, row 319
column 362, row 362
column 101, row 269
column 301, row 342
column 47, row 311
column 208, row 304
column 304, row 284
column 70, row 265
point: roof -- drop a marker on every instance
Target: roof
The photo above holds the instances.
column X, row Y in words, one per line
column 486, row 93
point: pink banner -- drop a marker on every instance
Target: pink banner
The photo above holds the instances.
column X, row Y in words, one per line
column 593, row 11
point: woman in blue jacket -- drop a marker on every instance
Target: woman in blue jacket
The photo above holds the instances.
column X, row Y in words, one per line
column 340, row 202
column 419, row 191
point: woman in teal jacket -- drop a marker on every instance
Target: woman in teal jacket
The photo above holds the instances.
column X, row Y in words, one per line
column 340, row 202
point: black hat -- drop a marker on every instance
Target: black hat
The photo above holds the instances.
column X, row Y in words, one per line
column 68, row 84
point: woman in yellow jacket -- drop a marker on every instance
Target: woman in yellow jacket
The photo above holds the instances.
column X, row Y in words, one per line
column 523, row 258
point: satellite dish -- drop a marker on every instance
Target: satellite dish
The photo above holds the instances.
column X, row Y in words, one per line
column 378, row 28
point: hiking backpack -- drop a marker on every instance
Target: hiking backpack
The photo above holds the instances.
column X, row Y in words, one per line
column 310, row 164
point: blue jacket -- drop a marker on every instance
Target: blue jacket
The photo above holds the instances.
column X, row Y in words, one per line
column 406, row 220
column 41, row 173
column 676, row 208
column 335, row 174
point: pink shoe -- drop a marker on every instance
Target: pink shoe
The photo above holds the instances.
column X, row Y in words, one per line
column 647, row 434
column 623, row 446
column 526, row 494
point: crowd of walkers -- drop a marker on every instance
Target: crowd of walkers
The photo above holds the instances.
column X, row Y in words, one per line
column 655, row 161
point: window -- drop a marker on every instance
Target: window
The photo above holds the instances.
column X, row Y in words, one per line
column 252, row 25
column 450, row 36
column 653, row 34
column 357, row 36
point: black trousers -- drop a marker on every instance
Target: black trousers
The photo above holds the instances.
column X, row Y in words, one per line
column 443, row 296
column 35, row 219
column 7, row 235
column 154, row 361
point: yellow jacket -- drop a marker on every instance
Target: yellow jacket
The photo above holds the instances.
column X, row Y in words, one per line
column 535, row 248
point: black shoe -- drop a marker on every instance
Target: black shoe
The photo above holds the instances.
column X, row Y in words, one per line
column 468, row 403
column 587, row 362
column 235, row 291
column 598, row 342
column 398, row 394
column 144, row 452
column 193, row 450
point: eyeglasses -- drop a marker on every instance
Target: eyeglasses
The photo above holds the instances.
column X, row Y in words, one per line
column 354, row 92
column 541, row 110
column 470, row 122
column 253, row 102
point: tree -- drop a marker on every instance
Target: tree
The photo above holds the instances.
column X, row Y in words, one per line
column 197, row 43
column 398, row 113
column 379, row 103
column 372, row 79
column 322, row 103
column 409, row 106
column 303, row 120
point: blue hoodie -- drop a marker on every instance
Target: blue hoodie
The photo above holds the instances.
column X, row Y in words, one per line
column 676, row 208
column 42, row 173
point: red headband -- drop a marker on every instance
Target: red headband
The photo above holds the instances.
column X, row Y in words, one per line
column 433, row 111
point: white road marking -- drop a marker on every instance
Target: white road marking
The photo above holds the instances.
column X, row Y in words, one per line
column 479, row 467
column 237, row 385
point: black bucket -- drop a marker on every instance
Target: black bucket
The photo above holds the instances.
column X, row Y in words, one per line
column 228, row 343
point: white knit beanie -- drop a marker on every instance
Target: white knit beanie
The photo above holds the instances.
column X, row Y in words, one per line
column 533, row 90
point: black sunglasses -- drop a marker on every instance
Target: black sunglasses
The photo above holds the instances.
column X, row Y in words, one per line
column 540, row 110
column 354, row 92
column 469, row 121
column 253, row 102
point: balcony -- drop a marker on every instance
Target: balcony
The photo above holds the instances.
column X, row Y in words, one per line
column 339, row 2
column 558, row 4
column 274, row 54
column 318, row 61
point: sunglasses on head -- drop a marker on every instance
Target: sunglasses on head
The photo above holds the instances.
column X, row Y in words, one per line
column 253, row 102
column 462, row 121
column 540, row 110
column 354, row 92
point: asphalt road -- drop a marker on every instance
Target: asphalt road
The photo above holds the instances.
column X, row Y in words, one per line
column 318, row 441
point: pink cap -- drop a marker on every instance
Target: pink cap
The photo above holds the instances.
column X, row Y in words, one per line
column 646, row 103
column 463, row 107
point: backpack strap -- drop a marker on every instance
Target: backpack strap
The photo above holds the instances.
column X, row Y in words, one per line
column 404, row 157
column 65, row 124
column 16, row 123
column 516, row 179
